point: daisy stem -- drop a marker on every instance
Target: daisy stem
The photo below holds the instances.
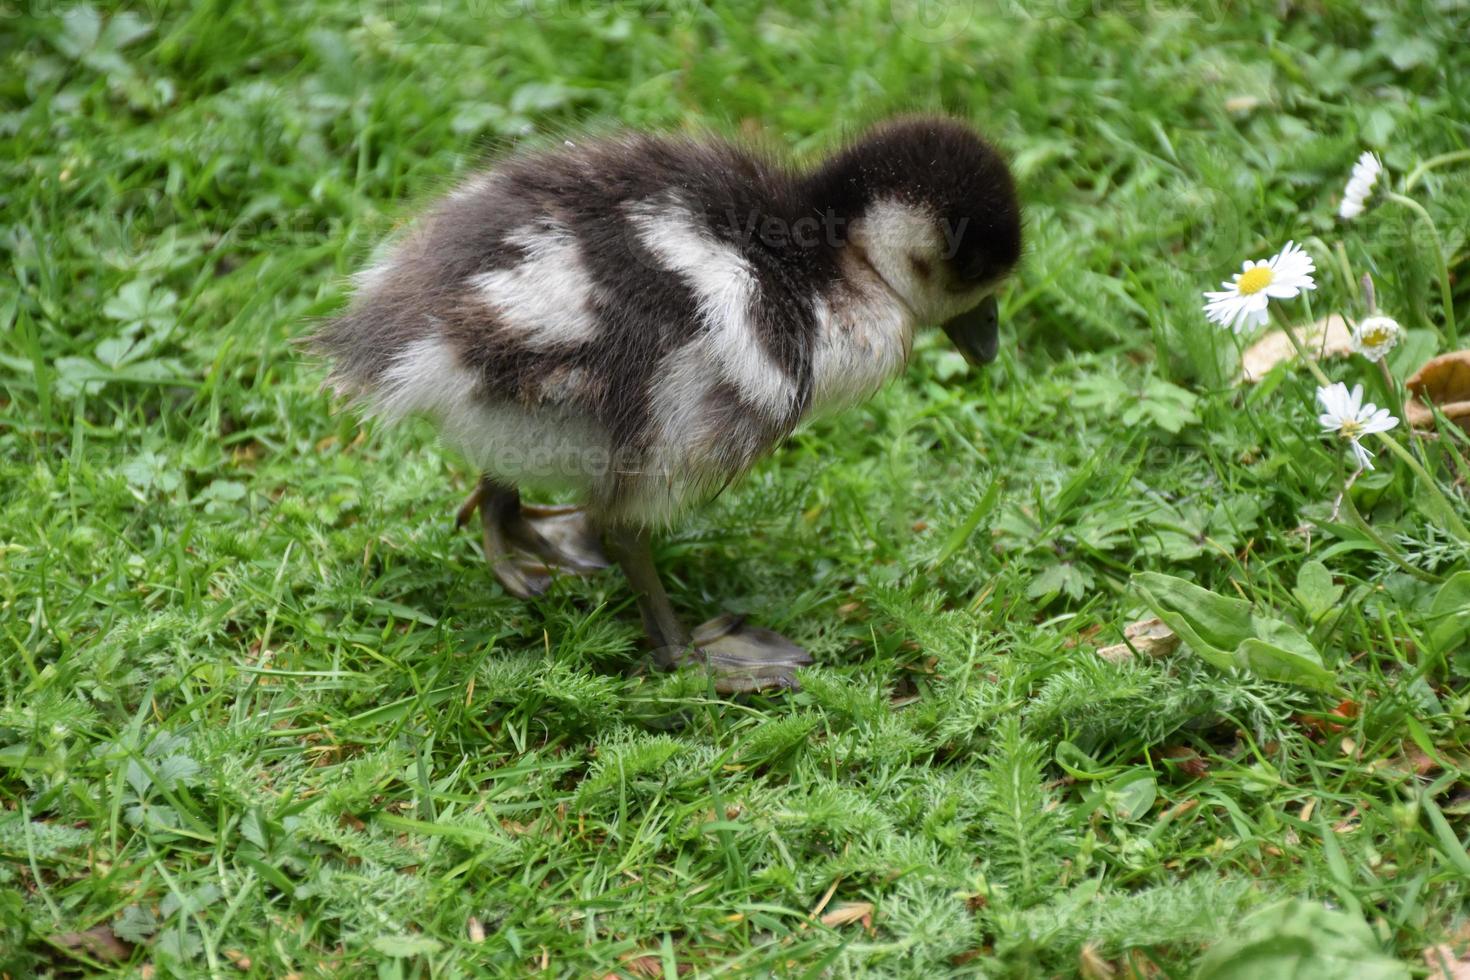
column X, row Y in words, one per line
column 1306, row 358
column 1427, row 165
column 1442, row 504
column 1340, row 251
column 1444, row 269
column 1392, row 551
column 1391, row 391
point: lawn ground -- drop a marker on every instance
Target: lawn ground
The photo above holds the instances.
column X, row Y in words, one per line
column 264, row 712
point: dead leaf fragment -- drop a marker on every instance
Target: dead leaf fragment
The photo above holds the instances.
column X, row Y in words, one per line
column 1446, row 964
column 643, row 966
column 97, row 942
column 1149, row 637
column 1444, row 382
column 1328, row 337
column 848, row 912
column 1346, row 709
column 1188, row 760
column 1093, row 966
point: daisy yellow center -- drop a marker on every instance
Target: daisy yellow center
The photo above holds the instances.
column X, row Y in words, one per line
column 1254, row 280
column 1351, row 429
column 1376, row 336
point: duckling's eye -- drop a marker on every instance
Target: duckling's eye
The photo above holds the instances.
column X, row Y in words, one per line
column 921, row 267
column 974, row 270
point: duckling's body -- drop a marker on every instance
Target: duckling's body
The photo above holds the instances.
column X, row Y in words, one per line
column 608, row 316
column 641, row 318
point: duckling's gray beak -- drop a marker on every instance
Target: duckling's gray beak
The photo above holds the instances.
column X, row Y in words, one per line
column 977, row 333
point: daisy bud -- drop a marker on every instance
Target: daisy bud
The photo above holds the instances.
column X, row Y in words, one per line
column 1375, row 336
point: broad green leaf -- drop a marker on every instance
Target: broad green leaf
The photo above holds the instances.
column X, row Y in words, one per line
column 1315, row 589
column 135, row 924
column 1062, row 577
column 1170, row 407
column 1417, row 347
column 75, row 375
column 1278, row 652
column 1224, row 633
column 1233, row 518
column 1449, row 614
column 113, row 352
column 1219, row 621
column 1284, row 635
column 1276, row 663
column 1131, row 796
column 1213, row 655
column 137, row 304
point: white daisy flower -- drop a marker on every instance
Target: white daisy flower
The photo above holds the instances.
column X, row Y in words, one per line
column 1343, row 412
column 1360, row 185
column 1242, row 301
column 1375, row 336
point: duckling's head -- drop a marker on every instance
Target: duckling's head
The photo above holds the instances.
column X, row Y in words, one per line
column 931, row 208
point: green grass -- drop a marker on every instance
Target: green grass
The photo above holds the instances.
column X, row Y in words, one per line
column 264, row 711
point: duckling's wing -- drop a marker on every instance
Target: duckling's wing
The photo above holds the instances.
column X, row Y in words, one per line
column 608, row 286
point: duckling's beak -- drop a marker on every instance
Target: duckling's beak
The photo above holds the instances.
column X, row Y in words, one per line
column 977, row 332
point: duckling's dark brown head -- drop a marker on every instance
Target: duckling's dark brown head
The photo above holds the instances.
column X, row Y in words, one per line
column 932, row 208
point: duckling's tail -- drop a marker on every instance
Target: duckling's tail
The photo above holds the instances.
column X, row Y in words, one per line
column 351, row 345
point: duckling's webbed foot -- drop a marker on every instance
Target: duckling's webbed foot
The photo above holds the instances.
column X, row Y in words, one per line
column 741, row 658
column 748, row 658
column 526, row 545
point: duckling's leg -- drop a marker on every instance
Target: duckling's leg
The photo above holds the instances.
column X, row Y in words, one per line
column 525, row 544
column 741, row 658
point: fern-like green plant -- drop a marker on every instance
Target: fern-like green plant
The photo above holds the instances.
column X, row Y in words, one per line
column 1027, row 839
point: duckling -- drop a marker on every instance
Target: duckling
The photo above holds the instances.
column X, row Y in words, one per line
column 639, row 318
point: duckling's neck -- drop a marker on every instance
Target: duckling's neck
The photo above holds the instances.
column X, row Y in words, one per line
column 864, row 334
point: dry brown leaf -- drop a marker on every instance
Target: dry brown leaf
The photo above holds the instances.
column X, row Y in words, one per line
column 1445, row 964
column 826, row 897
column 1177, row 810
column 1149, row 637
column 97, row 942
column 1092, row 965
column 1415, row 760
column 1085, row 636
column 1188, row 760
column 1328, row 337
column 848, row 912
column 1443, row 381
column 644, row 966
column 1346, row 709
